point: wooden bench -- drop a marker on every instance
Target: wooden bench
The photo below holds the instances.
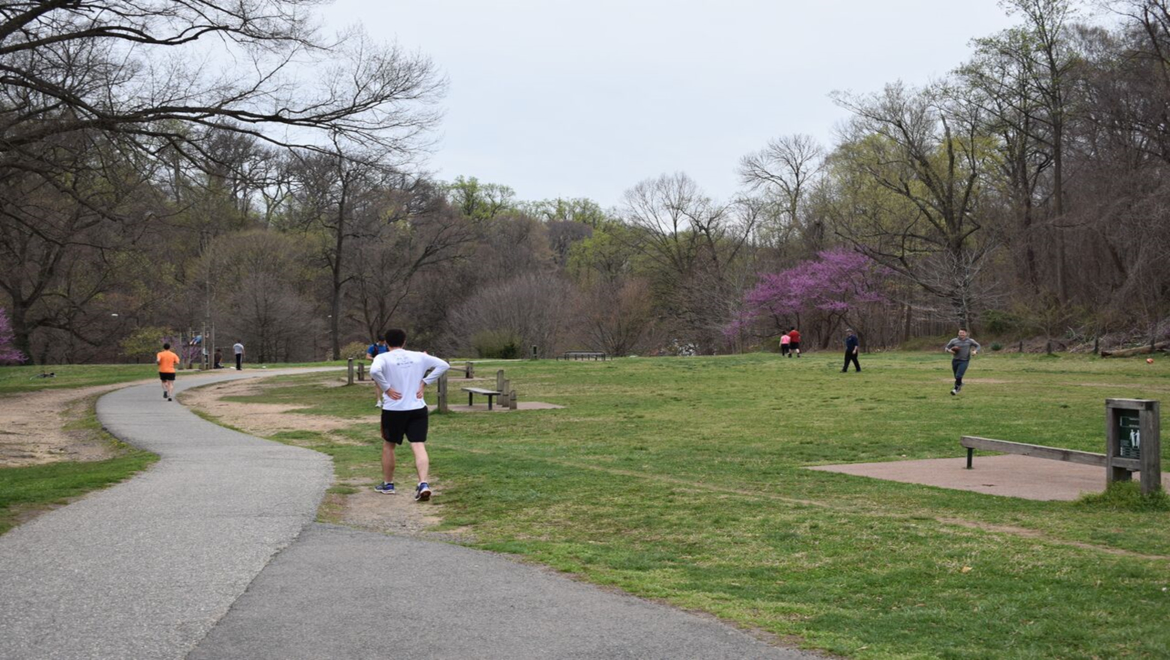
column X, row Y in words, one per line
column 472, row 391
column 1039, row 451
column 582, row 355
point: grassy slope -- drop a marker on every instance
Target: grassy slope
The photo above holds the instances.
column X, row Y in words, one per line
column 679, row 479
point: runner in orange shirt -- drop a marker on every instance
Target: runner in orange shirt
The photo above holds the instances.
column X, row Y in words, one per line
column 166, row 370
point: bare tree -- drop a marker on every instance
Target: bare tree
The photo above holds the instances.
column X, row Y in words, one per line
column 783, row 171
column 338, row 202
column 696, row 246
column 157, row 69
column 158, row 83
column 532, row 309
column 60, row 249
column 420, row 233
column 910, row 196
column 1000, row 80
column 1049, row 62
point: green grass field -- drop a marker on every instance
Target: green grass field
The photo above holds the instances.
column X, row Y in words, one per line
column 14, row 380
column 679, row 479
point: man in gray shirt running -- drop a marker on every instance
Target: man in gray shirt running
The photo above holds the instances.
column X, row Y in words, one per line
column 962, row 348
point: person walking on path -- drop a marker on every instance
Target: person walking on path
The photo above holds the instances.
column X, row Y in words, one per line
column 793, row 342
column 238, row 349
column 377, row 348
column 401, row 376
column 852, row 347
column 167, row 361
column 785, row 340
column 961, row 348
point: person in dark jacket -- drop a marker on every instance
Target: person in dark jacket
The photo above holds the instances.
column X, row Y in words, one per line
column 852, row 347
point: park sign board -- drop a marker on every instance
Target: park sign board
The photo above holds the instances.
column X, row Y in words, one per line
column 1129, row 434
column 1133, row 442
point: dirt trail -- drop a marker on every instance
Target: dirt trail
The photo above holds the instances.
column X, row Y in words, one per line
column 262, row 419
column 32, row 427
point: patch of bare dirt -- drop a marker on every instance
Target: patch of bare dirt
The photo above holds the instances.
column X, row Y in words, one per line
column 393, row 514
column 258, row 418
column 364, row 509
column 32, row 427
column 1143, row 386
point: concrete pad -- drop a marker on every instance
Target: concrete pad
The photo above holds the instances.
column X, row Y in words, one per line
column 1007, row 475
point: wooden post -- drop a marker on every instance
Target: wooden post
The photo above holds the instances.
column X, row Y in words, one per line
column 361, row 370
column 500, row 380
column 505, row 394
column 470, row 369
column 442, row 394
column 514, row 404
column 349, row 370
column 1151, row 449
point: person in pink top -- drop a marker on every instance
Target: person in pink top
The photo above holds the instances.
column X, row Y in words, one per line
column 784, row 341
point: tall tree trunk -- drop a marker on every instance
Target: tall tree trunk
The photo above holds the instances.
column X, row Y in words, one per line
column 1058, row 209
column 338, row 260
column 21, row 333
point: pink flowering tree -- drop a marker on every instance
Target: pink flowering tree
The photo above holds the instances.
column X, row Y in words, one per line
column 826, row 291
column 8, row 352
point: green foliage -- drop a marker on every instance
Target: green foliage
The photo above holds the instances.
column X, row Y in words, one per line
column 1126, row 496
column 479, row 201
column 146, row 342
column 996, row 346
column 998, row 322
column 354, row 349
column 585, row 211
column 498, row 344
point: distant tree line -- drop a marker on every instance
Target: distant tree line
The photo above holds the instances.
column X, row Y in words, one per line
column 269, row 190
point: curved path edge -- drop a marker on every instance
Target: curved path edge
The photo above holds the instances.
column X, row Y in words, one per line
column 213, row 553
column 145, row 568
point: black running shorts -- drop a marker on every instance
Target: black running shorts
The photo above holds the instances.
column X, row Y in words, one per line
column 794, row 346
column 163, row 376
column 411, row 423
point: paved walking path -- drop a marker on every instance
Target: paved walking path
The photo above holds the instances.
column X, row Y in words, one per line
column 212, row 553
column 146, row 568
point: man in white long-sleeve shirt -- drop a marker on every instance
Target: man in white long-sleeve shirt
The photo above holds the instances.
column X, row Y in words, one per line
column 402, row 376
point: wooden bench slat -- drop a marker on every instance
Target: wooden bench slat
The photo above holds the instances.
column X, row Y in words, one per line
column 1037, row 451
column 480, row 390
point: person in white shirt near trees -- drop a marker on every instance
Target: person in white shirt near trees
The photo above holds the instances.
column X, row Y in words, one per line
column 401, row 376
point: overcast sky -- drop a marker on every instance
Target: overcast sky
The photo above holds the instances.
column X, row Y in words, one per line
column 585, row 98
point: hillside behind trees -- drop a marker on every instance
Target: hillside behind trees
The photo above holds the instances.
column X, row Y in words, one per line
column 271, row 188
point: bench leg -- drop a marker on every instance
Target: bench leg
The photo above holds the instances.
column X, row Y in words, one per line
column 970, row 455
column 489, row 402
column 469, row 395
